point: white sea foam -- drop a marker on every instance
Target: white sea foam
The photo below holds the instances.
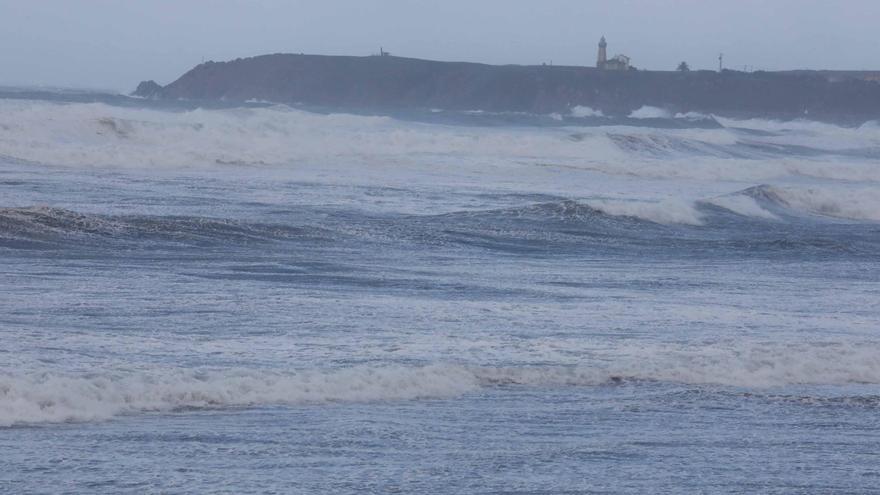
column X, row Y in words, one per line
column 670, row 211
column 872, row 126
column 812, row 133
column 580, row 111
column 862, row 203
column 691, row 116
column 649, row 112
column 51, row 397
column 100, row 135
column 847, row 202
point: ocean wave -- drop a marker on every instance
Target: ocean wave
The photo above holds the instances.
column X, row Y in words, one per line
column 592, row 211
column 52, row 397
column 665, row 212
column 741, row 204
column 584, row 112
column 762, row 202
column 853, row 203
column 846, row 202
column 649, row 112
column 663, row 145
column 693, row 116
column 48, row 225
column 551, row 226
column 100, row 135
column 106, row 136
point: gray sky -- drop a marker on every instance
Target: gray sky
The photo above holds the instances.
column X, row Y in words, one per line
column 114, row 44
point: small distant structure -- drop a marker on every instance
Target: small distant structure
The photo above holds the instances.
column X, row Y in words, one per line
column 383, row 53
column 618, row 62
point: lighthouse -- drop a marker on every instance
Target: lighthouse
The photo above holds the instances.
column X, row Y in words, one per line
column 618, row 62
column 603, row 55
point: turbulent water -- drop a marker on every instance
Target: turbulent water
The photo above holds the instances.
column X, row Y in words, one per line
column 266, row 300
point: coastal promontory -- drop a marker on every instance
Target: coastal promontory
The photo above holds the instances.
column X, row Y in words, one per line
column 387, row 83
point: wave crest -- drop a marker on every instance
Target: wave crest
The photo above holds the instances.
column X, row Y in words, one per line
column 90, row 135
column 666, row 212
column 52, row 397
column 851, row 203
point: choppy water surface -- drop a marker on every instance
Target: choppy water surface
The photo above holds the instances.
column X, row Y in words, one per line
column 265, row 300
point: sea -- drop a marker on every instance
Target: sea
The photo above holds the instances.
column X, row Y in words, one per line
column 257, row 298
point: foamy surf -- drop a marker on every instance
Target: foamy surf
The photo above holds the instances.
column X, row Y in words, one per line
column 101, row 135
column 279, row 290
column 55, row 397
column 861, row 203
column 667, row 212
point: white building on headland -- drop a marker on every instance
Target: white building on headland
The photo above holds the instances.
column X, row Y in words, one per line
column 618, row 62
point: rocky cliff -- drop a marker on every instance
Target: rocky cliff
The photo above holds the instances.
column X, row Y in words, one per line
column 389, row 83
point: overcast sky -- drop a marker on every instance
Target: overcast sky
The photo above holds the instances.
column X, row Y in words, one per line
column 114, row 44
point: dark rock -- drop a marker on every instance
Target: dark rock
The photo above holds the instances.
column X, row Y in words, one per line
column 148, row 89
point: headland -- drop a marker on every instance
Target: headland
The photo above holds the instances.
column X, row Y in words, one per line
column 389, row 83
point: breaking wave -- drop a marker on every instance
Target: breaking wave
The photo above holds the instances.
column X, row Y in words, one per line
column 53, row 397
column 649, row 112
column 95, row 134
column 850, row 203
column 585, row 112
column 666, row 212
column 743, row 205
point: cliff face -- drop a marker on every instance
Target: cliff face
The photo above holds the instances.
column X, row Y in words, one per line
column 387, row 83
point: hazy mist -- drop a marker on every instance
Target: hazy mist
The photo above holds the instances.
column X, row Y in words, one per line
column 113, row 44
